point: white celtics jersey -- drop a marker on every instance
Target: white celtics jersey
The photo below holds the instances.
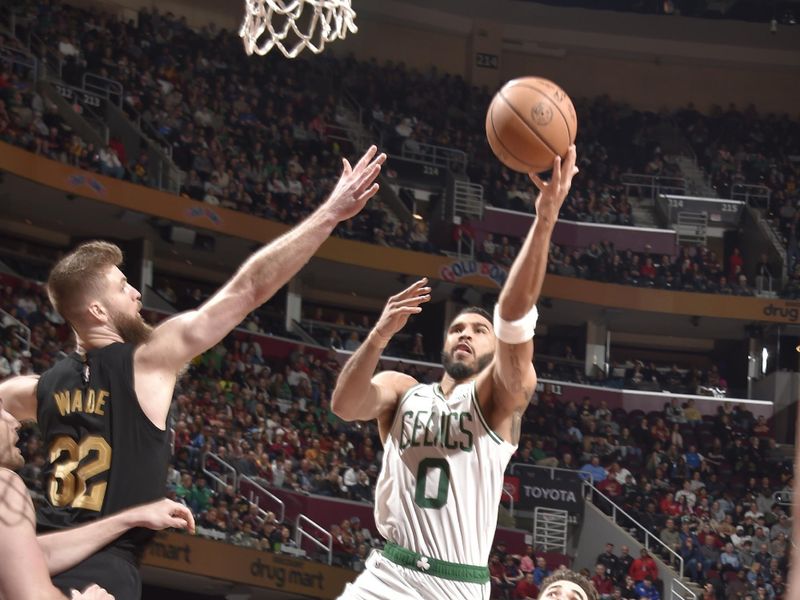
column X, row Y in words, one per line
column 440, row 486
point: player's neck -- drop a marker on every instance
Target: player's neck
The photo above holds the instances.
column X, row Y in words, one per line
column 448, row 384
column 96, row 337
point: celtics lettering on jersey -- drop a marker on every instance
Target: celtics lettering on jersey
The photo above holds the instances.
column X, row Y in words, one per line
column 441, row 476
column 427, row 428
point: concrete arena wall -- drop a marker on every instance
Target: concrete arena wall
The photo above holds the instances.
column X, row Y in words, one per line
column 597, row 530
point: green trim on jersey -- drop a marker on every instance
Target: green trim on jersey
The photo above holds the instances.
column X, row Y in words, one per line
column 437, row 389
column 433, row 566
column 482, row 419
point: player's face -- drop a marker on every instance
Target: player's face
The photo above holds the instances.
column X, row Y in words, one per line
column 124, row 302
column 120, row 295
column 10, row 456
column 469, row 346
column 563, row 590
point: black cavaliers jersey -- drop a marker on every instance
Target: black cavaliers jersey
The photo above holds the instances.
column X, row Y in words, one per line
column 103, row 453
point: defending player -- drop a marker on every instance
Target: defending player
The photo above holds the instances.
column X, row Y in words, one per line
column 28, row 561
column 446, row 445
column 567, row 585
column 103, row 410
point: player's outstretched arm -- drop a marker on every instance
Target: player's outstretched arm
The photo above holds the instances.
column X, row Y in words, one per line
column 19, row 396
column 23, row 570
column 358, row 395
column 65, row 549
column 178, row 340
column 512, row 379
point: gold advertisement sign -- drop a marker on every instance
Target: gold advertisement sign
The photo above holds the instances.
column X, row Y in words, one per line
column 464, row 272
column 209, row 558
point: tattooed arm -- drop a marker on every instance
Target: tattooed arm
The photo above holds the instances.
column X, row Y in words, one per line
column 506, row 386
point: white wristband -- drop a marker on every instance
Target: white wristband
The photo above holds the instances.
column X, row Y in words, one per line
column 515, row 332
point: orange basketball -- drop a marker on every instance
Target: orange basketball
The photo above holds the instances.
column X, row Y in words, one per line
column 530, row 121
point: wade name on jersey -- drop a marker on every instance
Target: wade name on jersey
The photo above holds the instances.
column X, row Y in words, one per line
column 94, row 401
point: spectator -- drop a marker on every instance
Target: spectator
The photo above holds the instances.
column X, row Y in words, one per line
column 709, row 555
column 688, row 494
column 540, row 572
column 643, row 567
column 526, row 589
column 527, row 563
column 646, row 589
column 692, row 560
column 670, row 535
column 625, row 562
column 593, row 470
column 729, row 560
column 602, row 582
column 609, row 560
column 496, row 576
column 782, row 527
column 693, row 416
column 511, row 575
column 628, row 589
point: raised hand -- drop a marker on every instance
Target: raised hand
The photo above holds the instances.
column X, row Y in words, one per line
column 93, row 592
column 400, row 307
column 162, row 514
column 356, row 185
column 553, row 192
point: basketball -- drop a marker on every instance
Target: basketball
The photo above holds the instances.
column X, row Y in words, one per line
column 530, row 121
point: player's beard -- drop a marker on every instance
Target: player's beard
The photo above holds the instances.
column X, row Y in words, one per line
column 460, row 371
column 132, row 328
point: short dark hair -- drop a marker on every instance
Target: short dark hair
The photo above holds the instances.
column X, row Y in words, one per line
column 477, row 310
column 564, row 574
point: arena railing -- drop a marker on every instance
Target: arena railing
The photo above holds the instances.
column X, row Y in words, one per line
column 754, row 195
column 301, row 534
column 769, row 231
column 682, row 592
column 653, row 184
column 507, row 494
column 109, row 89
column 214, row 476
column 255, row 494
column 437, row 156
column 22, row 59
column 25, row 335
column 648, row 535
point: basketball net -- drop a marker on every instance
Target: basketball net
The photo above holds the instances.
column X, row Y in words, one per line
column 330, row 20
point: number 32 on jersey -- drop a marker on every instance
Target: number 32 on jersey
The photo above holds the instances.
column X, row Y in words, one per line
column 71, row 471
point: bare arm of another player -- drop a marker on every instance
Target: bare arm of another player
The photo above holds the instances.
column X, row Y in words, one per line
column 793, row 583
column 187, row 335
column 360, row 396
column 508, row 385
column 65, row 549
column 23, row 570
column 19, row 396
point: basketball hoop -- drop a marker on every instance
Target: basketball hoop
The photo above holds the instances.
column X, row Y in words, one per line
column 330, row 20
